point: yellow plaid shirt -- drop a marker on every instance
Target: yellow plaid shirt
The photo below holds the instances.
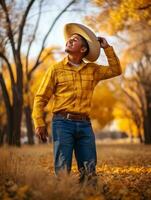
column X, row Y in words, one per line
column 72, row 86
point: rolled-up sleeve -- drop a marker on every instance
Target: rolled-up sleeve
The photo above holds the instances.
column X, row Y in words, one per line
column 113, row 69
column 42, row 97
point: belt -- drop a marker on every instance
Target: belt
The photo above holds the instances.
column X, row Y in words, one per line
column 72, row 116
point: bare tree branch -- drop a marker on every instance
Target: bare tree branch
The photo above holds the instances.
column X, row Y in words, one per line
column 46, row 36
column 138, row 44
column 33, row 36
column 130, row 97
column 52, row 10
column 144, row 7
column 22, row 24
column 122, row 39
column 5, row 92
column 9, row 29
column 9, row 66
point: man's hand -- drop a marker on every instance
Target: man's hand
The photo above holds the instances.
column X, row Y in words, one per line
column 103, row 43
column 41, row 133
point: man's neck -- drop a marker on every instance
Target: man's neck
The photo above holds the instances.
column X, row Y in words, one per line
column 74, row 59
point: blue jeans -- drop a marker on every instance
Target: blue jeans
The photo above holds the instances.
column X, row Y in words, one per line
column 72, row 135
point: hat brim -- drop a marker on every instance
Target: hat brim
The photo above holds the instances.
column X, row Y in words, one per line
column 94, row 45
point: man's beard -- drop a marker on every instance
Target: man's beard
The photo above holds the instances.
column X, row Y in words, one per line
column 67, row 51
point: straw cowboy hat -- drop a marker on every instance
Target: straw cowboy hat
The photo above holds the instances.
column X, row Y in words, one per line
column 94, row 45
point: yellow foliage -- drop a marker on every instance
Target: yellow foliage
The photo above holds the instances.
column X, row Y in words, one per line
column 127, row 125
column 121, row 14
column 124, row 121
column 102, row 104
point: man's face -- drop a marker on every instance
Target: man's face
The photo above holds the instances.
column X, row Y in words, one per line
column 74, row 44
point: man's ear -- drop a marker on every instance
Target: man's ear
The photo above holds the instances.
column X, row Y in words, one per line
column 83, row 49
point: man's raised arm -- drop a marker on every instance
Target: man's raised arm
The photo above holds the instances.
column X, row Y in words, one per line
column 114, row 68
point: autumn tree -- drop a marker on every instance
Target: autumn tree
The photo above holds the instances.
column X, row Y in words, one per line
column 130, row 21
column 131, row 107
column 103, row 102
column 12, row 36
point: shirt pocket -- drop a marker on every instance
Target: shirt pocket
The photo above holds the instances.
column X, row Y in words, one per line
column 64, row 79
column 87, row 82
column 64, row 82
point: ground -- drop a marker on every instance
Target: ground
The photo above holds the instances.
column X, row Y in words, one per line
column 124, row 172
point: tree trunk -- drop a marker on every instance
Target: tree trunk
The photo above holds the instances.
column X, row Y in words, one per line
column 139, row 135
column 147, row 131
column 147, row 120
column 9, row 111
column 1, row 137
column 148, row 128
column 17, row 122
column 30, row 133
column 14, row 113
column 18, row 100
column 10, row 126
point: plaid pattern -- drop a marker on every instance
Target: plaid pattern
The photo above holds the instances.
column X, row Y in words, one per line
column 72, row 86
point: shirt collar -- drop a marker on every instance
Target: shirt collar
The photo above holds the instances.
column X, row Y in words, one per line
column 66, row 61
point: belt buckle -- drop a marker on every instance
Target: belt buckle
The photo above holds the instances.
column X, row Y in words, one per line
column 68, row 116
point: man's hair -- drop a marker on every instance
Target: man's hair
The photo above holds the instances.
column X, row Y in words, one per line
column 84, row 43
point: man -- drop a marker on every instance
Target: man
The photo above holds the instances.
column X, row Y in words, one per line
column 71, row 82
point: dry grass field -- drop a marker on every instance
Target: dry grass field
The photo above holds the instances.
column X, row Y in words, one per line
column 124, row 173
